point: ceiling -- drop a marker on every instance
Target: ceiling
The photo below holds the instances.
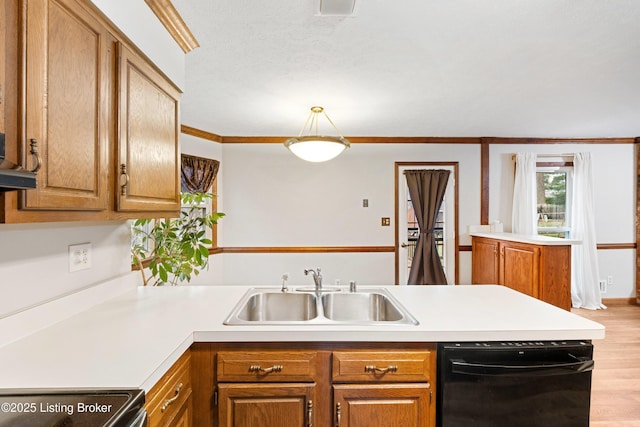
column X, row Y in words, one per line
column 518, row 68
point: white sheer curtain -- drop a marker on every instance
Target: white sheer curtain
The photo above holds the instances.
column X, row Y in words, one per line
column 524, row 219
column 585, row 290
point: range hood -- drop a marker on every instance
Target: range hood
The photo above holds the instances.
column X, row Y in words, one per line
column 14, row 177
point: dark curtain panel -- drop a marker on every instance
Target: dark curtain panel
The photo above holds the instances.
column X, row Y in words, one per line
column 198, row 173
column 426, row 189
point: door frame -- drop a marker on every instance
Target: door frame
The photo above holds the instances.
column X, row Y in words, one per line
column 397, row 177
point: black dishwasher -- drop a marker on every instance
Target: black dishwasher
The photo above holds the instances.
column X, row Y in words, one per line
column 507, row 384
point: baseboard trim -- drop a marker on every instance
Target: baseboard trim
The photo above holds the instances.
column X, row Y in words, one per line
column 619, row 301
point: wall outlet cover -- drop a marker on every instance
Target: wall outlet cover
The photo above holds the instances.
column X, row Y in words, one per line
column 79, row 257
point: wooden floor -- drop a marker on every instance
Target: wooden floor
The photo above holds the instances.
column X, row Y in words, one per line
column 615, row 397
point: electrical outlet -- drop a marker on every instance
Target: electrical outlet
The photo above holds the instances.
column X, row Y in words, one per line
column 385, row 221
column 609, row 280
column 79, row 257
column 603, row 286
column 365, row 203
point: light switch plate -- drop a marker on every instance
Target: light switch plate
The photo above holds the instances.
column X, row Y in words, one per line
column 79, row 257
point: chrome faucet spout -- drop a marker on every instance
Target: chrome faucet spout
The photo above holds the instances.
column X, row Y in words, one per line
column 317, row 277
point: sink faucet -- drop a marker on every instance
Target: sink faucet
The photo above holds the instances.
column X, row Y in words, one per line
column 317, row 277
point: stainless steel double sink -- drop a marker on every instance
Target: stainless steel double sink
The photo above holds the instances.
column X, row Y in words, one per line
column 271, row 306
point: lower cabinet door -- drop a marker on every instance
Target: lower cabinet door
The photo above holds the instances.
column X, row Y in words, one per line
column 520, row 267
column 382, row 405
column 266, row 405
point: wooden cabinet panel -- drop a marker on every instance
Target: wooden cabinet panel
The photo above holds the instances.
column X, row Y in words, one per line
column 169, row 402
column 148, row 149
column 72, row 82
column 555, row 280
column 519, row 267
column 352, row 366
column 540, row 271
column 383, row 405
column 326, row 375
column 260, row 366
column 266, row 405
column 485, row 268
column 65, row 78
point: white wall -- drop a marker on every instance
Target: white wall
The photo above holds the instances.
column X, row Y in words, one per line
column 274, row 199
column 34, row 260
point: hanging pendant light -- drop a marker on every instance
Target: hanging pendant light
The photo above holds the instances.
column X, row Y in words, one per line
column 316, row 148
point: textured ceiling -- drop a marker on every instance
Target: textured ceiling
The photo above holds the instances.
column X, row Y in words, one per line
column 537, row 68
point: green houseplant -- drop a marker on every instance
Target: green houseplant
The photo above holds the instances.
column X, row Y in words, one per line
column 174, row 249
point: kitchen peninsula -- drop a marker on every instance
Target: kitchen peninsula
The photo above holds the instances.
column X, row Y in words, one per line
column 134, row 339
column 536, row 265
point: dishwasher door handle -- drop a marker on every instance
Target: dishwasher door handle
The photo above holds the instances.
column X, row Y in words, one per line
column 460, row 366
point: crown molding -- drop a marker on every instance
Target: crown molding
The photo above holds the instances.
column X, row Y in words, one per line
column 188, row 130
column 485, row 141
column 173, row 22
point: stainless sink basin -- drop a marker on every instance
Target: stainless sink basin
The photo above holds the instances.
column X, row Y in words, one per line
column 360, row 306
column 278, row 307
column 270, row 306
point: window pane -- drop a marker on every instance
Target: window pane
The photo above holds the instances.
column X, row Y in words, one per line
column 552, row 203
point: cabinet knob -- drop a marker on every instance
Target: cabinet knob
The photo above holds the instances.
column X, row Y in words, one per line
column 338, row 414
column 310, row 413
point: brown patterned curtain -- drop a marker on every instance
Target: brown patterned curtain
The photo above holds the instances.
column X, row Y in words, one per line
column 198, row 173
column 426, row 188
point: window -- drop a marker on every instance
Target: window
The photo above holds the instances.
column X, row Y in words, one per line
column 554, row 184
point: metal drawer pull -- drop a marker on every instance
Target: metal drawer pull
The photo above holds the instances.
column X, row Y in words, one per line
column 36, row 155
column 310, row 413
column 374, row 369
column 338, row 414
column 260, row 370
column 170, row 402
column 124, row 179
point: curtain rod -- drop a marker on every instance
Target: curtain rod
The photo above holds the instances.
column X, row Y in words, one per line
column 570, row 155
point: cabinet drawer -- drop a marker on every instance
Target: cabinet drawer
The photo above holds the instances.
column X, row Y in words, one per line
column 167, row 398
column 391, row 366
column 266, row 366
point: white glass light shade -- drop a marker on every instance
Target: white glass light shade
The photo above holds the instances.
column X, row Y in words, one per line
column 314, row 147
column 317, row 148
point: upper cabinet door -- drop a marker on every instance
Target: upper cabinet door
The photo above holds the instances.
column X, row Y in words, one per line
column 148, row 149
column 65, row 76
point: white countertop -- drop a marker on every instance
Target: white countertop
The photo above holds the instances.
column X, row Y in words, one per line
column 535, row 239
column 131, row 340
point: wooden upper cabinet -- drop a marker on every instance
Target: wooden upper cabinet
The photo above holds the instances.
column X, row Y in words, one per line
column 65, row 77
column 102, row 114
column 148, row 149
